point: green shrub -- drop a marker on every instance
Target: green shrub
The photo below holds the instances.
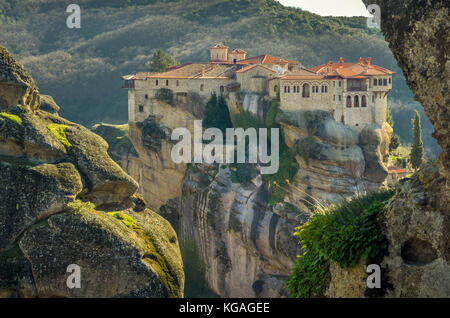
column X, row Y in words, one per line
column 242, row 172
column 342, row 233
column 165, row 95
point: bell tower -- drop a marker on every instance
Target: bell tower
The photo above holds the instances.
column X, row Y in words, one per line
column 219, row 53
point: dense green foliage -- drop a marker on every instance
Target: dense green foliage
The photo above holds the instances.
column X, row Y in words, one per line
column 82, row 68
column 161, row 61
column 342, row 233
column 217, row 114
column 395, row 139
column 288, row 165
column 416, row 155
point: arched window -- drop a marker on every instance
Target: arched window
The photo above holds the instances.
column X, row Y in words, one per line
column 298, row 89
column 380, row 82
column 349, row 101
column 305, row 90
column 275, row 89
column 356, row 103
column 363, row 101
column 157, row 82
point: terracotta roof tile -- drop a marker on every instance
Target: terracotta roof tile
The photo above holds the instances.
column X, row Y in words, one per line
column 351, row 70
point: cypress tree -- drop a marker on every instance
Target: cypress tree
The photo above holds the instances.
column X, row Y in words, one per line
column 416, row 155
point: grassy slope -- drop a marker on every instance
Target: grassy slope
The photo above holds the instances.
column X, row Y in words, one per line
column 81, row 68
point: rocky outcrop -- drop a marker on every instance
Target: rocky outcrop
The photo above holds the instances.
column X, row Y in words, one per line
column 16, row 84
column 416, row 220
column 335, row 161
column 416, row 224
column 416, row 33
column 64, row 201
column 247, row 248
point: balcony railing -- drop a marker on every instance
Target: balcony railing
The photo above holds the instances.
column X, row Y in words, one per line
column 357, row 89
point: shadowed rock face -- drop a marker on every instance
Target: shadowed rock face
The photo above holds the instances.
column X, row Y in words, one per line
column 16, row 84
column 416, row 221
column 417, row 33
column 52, row 172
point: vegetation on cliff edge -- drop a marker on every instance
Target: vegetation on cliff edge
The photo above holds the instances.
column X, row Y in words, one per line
column 343, row 234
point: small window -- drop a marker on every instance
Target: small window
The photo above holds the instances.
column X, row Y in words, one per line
column 202, row 87
column 340, row 98
column 222, row 89
column 275, row 89
column 357, row 125
column 375, row 82
column 178, row 83
column 324, row 89
column 305, row 90
column 334, row 83
column 385, row 82
column 141, row 108
column 349, row 101
column 380, row 82
column 167, row 82
column 146, row 96
column 373, row 98
column 157, row 83
column 294, row 89
column 390, row 80
column 340, row 83
column 356, row 103
column 363, row 101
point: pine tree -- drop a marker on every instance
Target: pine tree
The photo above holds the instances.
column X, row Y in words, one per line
column 395, row 139
column 161, row 61
column 416, row 155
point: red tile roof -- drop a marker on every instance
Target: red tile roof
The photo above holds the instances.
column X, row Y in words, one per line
column 351, row 70
column 238, row 51
column 249, row 67
column 265, row 59
column 395, row 170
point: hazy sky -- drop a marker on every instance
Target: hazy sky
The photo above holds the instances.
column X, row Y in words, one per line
column 330, row 7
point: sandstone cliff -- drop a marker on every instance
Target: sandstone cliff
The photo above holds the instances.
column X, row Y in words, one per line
column 64, row 201
column 246, row 246
column 416, row 221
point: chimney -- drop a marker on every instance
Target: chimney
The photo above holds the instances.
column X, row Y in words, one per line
column 361, row 61
column 341, row 60
column 369, row 61
column 203, row 70
column 329, row 67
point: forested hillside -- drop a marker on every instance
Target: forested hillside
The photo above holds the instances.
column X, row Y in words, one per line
column 81, row 68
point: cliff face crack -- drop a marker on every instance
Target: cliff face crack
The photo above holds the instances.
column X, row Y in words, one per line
column 272, row 230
